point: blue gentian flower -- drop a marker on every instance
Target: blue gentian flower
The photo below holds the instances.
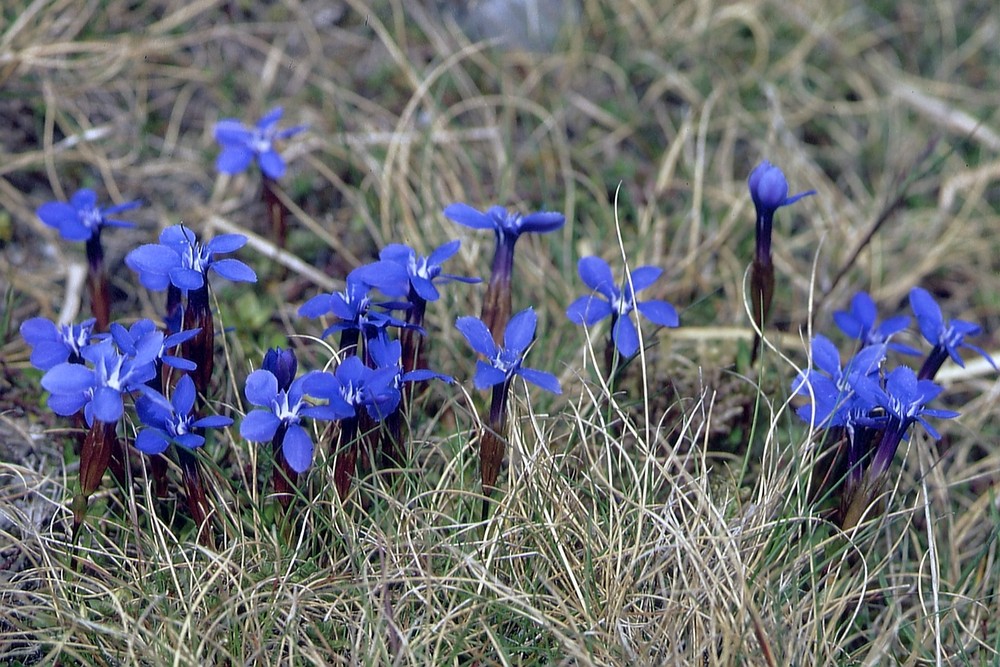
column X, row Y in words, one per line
column 81, row 219
column 859, row 323
column 129, row 340
column 946, row 337
column 423, row 272
column 287, row 408
column 242, row 144
column 353, row 306
column 504, row 362
column 358, row 386
column 619, row 303
column 769, row 191
column 180, row 259
column 171, row 421
column 833, row 387
column 98, row 386
column 904, row 400
column 507, row 225
column 53, row 344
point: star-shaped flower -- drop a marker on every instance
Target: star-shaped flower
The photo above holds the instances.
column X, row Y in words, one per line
column 81, row 218
column 618, row 303
column 241, row 145
column 53, row 344
column 170, row 421
column 504, row 362
column 180, row 259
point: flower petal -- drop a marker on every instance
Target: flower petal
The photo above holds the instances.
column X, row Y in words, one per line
column 261, row 388
column 478, row 335
column 659, row 312
column 234, row 159
column 68, row 378
column 643, row 277
column 235, row 270
column 541, row 222
column 151, row 441
column 259, row 426
column 588, row 310
column 520, row 331
column 625, row 336
column 297, row 448
column 546, row 381
column 464, row 214
column 487, row 376
column 271, row 164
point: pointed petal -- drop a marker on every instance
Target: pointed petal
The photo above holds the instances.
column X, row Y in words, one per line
column 520, row 331
column 546, row 381
column 660, row 312
column 271, row 164
column 643, row 277
column 478, row 335
column 487, row 376
column 542, row 222
column 270, row 118
column 625, row 336
column 928, row 314
column 443, row 253
column 596, row 274
column 588, row 310
column 464, row 214
column 235, row 270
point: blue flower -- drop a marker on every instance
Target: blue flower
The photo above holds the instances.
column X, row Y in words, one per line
column 279, row 408
column 98, row 386
column 508, row 225
column 588, row 310
column 904, row 400
column 355, row 385
column 836, row 401
column 769, row 191
column 946, row 337
column 129, row 340
column 353, row 306
column 423, row 272
column 81, row 219
column 859, row 324
column 180, row 259
column 54, row 344
column 503, row 363
column 171, row 421
column 242, row 144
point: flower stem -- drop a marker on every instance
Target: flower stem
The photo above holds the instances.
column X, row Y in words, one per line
column 283, row 477
column 347, row 456
column 497, row 301
column 201, row 348
column 97, row 283
column 276, row 212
